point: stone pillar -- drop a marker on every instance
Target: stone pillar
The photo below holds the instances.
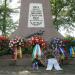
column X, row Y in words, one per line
column 36, row 18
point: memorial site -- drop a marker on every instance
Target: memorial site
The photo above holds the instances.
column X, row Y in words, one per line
column 36, row 46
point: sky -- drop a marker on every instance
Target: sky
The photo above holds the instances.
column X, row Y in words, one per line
column 13, row 5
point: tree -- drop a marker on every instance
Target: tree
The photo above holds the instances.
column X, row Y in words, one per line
column 6, row 22
column 63, row 13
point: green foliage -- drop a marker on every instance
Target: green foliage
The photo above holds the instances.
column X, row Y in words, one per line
column 69, row 38
column 63, row 12
column 5, row 52
column 28, row 50
column 6, row 23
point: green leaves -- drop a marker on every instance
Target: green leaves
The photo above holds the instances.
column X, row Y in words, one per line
column 64, row 13
column 6, row 22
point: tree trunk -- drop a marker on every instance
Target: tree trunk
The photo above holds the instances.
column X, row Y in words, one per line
column 4, row 19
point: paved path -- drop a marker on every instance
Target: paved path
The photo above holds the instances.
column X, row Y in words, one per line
column 22, row 70
column 23, row 67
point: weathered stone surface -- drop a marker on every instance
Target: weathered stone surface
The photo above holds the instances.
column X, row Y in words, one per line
column 24, row 31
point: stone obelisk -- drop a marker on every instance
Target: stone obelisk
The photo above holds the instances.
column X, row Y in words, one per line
column 36, row 18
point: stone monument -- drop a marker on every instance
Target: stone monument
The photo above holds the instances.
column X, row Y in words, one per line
column 36, row 19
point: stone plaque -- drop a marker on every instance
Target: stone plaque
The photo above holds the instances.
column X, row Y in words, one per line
column 36, row 17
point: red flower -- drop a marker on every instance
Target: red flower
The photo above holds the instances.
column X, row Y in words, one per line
column 37, row 40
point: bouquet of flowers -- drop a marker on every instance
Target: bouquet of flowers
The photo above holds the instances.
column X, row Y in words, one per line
column 38, row 40
column 4, row 42
column 18, row 41
column 59, row 47
column 15, row 45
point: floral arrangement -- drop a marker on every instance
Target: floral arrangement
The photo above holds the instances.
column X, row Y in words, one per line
column 70, row 45
column 58, row 46
column 4, row 45
column 57, row 42
column 37, row 40
column 65, row 47
column 3, row 38
column 4, row 42
column 18, row 41
column 15, row 45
